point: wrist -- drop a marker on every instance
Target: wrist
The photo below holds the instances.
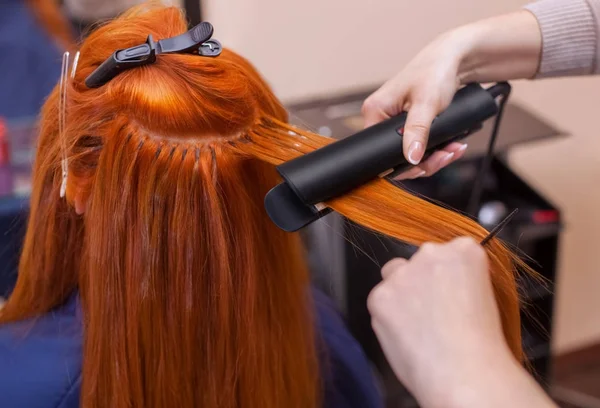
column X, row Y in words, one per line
column 489, row 383
column 472, row 58
column 464, row 381
column 468, row 51
column 482, row 374
column 501, row 385
column 461, row 43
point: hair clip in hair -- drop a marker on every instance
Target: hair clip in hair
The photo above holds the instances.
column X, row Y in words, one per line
column 195, row 41
column 210, row 48
column 62, row 115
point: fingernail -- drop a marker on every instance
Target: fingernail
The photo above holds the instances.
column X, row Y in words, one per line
column 463, row 148
column 407, row 175
column 415, row 152
column 421, row 174
column 448, row 157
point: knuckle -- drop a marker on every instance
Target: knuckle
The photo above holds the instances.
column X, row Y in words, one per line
column 393, row 266
column 428, row 248
column 371, row 104
column 419, row 128
column 424, row 94
column 465, row 242
column 471, row 247
column 379, row 299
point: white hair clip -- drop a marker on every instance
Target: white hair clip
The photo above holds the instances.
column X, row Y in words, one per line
column 62, row 115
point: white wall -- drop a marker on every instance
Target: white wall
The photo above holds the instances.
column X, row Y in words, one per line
column 308, row 48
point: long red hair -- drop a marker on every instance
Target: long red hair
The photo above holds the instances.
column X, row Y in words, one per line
column 191, row 296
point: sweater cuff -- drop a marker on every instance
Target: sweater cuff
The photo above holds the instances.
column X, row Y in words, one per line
column 569, row 37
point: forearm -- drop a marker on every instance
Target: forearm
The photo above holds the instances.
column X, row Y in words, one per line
column 548, row 38
column 500, row 48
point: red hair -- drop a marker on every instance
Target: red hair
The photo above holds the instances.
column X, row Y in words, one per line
column 191, row 296
column 52, row 18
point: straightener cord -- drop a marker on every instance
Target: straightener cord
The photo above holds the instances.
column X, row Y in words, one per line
column 502, row 90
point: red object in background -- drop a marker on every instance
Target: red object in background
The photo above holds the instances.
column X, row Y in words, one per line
column 545, row 216
column 4, row 149
column 6, row 179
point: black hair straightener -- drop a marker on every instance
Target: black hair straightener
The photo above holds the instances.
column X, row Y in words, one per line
column 338, row 168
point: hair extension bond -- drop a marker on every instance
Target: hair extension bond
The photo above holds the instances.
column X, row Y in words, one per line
column 190, row 295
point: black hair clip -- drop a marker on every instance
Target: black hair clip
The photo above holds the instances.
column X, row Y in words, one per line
column 195, row 41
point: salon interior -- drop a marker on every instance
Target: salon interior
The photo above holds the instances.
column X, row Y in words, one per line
column 323, row 59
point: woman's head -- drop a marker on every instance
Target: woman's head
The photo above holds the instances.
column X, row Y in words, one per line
column 192, row 297
column 184, row 98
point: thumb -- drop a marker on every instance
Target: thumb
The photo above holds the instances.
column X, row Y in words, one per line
column 416, row 131
column 392, row 266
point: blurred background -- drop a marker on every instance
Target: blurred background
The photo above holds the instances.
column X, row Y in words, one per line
column 322, row 58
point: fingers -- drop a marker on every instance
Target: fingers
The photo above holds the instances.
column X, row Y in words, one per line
column 392, row 266
column 469, row 247
column 392, row 99
column 379, row 297
column 465, row 245
column 384, row 103
column 435, row 162
column 416, row 130
column 415, row 172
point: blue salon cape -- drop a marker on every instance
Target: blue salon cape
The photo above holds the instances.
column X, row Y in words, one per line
column 30, row 61
column 40, row 361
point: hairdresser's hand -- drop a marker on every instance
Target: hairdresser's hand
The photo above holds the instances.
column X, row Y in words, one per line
column 424, row 88
column 438, row 323
column 495, row 49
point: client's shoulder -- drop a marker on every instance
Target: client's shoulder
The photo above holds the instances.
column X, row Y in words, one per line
column 347, row 374
column 40, row 359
